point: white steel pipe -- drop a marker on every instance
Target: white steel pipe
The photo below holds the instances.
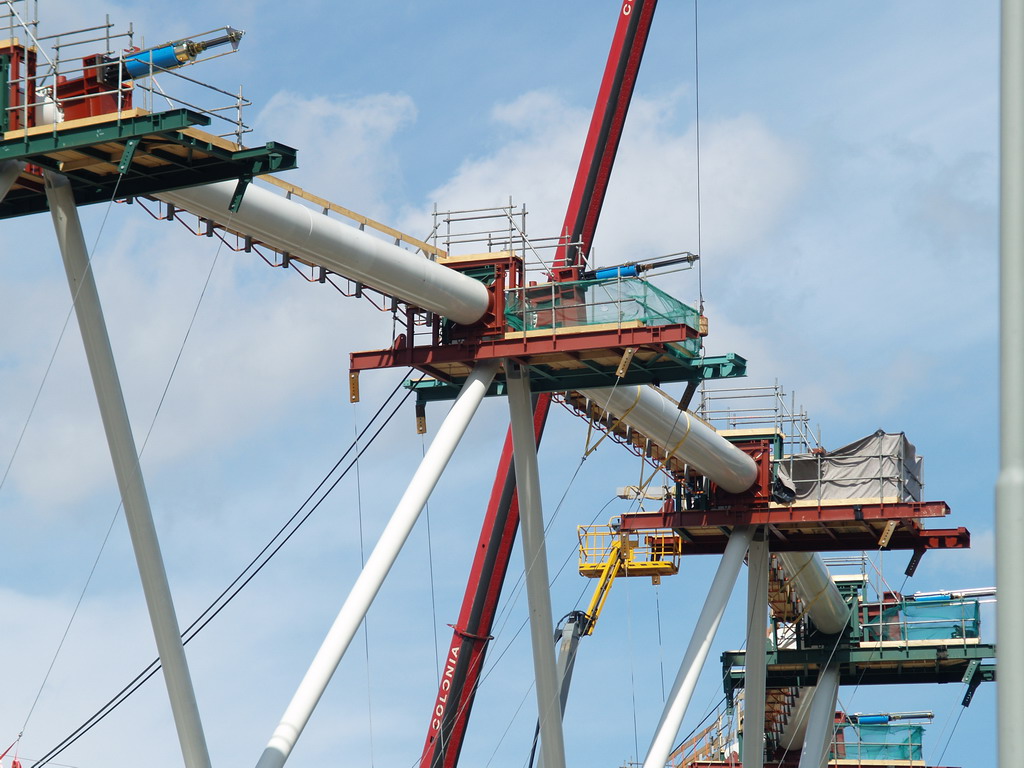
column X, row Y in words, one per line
column 9, row 172
column 377, row 567
column 815, row 587
column 697, row 651
column 754, row 674
column 681, row 433
column 293, row 228
column 531, row 520
column 821, row 722
column 1010, row 484
column 127, row 470
column 795, row 727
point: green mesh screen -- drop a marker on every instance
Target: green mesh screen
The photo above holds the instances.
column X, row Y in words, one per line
column 928, row 620
column 893, row 741
column 595, row 302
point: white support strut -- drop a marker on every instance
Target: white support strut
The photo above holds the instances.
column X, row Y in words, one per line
column 821, row 720
column 681, row 433
column 125, row 458
column 290, row 227
column 9, row 172
column 379, row 563
column 700, row 643
column 1010, row 484
column 754, row 674
column 531, row 520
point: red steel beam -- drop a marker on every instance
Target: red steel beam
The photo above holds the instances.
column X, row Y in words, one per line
column 917, row 540
column 572, row 344
column 609, row 116
column 668, row 517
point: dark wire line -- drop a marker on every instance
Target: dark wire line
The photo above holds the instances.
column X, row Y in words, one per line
column 696, row 93
column 366, row 618
column 236, row 586
column 60, row 336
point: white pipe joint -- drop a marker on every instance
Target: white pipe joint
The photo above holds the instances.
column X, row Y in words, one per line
column 290, row 227
column 814, row 585
column 680, row 433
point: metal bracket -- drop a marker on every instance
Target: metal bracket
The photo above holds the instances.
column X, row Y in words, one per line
column 890, row 528
column 127, row 155
column 236, row 198
column 627, row 358
column 915, row 561
column 353, row 386
column 421, row 418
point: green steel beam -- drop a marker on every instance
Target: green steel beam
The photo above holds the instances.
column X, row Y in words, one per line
column 938, row 663
column 210, row 163
column 58, row 140
column 542, row 379
column 5, row 74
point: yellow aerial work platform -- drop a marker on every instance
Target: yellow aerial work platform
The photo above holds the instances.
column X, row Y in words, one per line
column 606, row 553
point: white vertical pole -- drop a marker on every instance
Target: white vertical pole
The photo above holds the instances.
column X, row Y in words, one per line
column 1010, row 485
column 821, row 721
column 9, row 172
column 377, row 567
column 126, row 467
column 754, row 675
column 697, row 651
column 531, row 519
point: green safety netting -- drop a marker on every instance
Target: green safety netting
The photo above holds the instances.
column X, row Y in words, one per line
column 594, row 302
column 931, row 620
column 893, row 741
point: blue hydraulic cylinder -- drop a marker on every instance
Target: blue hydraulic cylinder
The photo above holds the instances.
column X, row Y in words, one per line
column 627, row 270
column 166, row 57
column 873, row 719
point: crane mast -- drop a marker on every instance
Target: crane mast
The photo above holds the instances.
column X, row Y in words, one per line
column 452, row 707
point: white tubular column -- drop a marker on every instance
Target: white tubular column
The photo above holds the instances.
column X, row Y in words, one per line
column 1010, row 485
column 754, row 676
column 531, row 519
column 126, row 467
column 293, row 228
column 821, row 720
column 814, row 585
column 377, row 567
column 681, row 433
column 9, row 172
column 697, row 651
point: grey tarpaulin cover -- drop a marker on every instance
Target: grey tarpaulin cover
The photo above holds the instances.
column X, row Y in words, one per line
column 882, row 465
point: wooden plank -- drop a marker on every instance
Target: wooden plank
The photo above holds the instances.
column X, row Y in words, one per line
column 82, row 122
column 570, row 329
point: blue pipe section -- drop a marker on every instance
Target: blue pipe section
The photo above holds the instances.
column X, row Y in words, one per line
column 138, row 65
column 873, row 720
column 630, row 270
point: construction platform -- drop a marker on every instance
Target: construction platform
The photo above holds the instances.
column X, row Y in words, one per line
column 963, row 660
column 130, row 154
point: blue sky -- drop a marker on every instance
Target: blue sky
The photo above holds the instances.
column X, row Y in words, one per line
column 848, row 234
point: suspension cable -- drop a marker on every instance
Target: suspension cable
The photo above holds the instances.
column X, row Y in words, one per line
column 265, row 555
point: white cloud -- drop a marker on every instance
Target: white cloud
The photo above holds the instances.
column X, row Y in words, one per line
column 346, row 143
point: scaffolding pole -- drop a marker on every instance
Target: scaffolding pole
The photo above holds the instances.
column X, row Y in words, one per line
column 377, row 566
column 125, row 458
column 531, row 520
column 697, row 651
column 1010, row 485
